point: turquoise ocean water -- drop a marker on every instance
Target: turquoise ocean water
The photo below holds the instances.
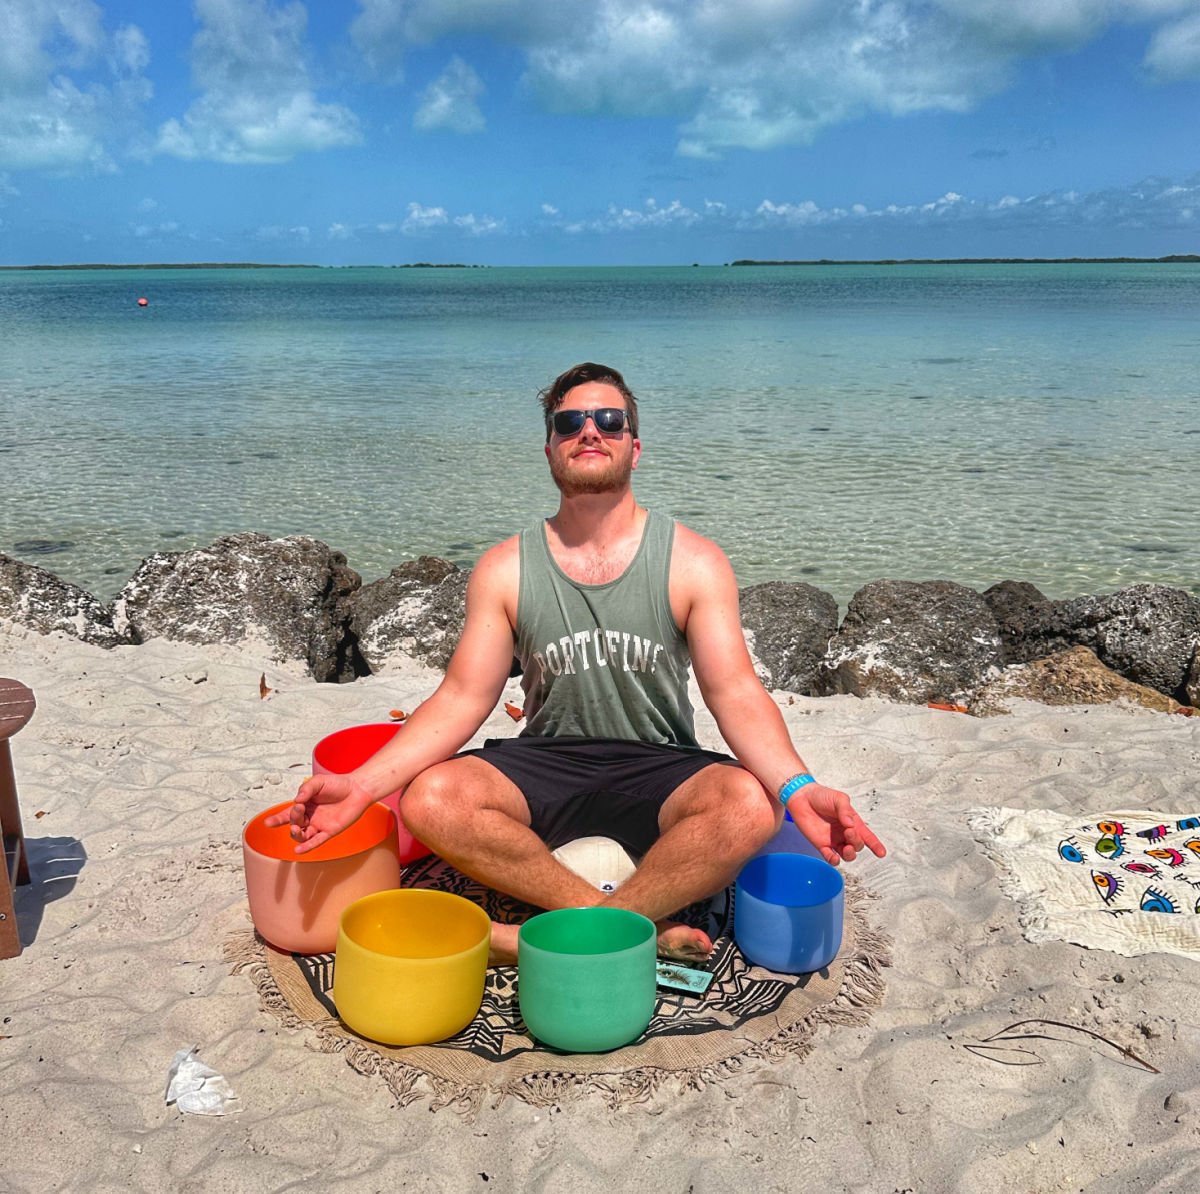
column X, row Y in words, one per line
column 833, row 424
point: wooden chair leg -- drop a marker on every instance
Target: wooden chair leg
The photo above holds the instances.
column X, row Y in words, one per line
column 10, row 939
column 15, row 870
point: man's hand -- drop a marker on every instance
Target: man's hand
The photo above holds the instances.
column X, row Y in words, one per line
column 324, row 806
column 826, row 817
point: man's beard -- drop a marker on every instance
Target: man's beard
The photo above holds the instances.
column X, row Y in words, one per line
column 615, row 475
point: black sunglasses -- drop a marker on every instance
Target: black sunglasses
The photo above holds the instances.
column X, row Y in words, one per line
column 609, row 420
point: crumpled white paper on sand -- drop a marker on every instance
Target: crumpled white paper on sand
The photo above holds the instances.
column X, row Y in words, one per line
column 195, row 1088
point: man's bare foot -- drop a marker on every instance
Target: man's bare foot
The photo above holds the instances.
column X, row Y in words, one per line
column 503, row 951
column 682, row 943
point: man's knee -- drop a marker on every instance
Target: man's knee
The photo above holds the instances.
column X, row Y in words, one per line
column 741, row 813
column 433, row 798
column 751, row 810
column 445, row 795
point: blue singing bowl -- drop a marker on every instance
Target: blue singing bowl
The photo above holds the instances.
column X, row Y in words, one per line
column 787, row 912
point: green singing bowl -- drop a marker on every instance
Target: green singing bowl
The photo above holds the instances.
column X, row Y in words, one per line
column 586, row 977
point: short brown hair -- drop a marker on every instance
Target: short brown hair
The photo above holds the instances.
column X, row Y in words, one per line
column 552, row 396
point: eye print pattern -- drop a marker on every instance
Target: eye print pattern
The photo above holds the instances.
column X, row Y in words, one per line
column 1154, row 900
column 1126, row 885
column 1109, row 886
column 1069, row 851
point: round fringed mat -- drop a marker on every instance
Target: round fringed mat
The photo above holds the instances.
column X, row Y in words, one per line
column 747, row 1013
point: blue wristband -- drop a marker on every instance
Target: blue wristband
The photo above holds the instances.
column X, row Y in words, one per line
column 793, row 785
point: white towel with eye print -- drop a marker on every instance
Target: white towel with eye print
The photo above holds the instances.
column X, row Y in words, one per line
column 1128, row 882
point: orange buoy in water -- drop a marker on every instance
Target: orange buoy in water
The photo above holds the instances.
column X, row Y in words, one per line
column 143, row 302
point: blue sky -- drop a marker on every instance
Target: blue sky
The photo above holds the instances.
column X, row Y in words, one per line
column 596, row 131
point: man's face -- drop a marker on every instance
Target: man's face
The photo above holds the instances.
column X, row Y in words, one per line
column 589, row 462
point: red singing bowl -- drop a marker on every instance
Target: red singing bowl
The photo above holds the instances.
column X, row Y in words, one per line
column 345, row 751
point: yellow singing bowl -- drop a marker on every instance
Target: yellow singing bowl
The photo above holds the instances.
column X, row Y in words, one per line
column 410, row 965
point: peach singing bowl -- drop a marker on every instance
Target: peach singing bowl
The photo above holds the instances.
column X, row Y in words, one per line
column 345, row 751
column 411, row 965
column 296, row 900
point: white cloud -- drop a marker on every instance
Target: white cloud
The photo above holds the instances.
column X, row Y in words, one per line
column 626, row 57
column 766, row 73
column 653, row 216
column 380, row 33
column 279, row 232
column 1153, row 202
column 635, row 219
column 548, row 209
column 39, row 37
column 792, row 213
column 1174, row 51
column 130, row 52
column 478, row 225
column 70, row 92
column 385, row 29
column 947, row 201
column 451, row 101
column 257, row 103
column 340, row 232
column 421, row 219
column 806, row 213
column 1033, row 26
column 155, row 231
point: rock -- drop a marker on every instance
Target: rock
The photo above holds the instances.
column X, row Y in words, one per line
column 1147, row 633
column 789, row 626
column 913, row 641
column 40, row 601
column 1031, row 625
column 1191, row 683
column 1071, row 677
column 289, row 592
column 417, row 610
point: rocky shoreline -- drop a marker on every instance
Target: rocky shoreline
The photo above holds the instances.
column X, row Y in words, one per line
column 906, row 641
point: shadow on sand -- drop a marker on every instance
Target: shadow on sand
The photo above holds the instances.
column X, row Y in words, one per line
column 54, row 865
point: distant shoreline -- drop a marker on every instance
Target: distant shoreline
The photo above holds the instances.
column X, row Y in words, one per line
column 1173, row 259
column 1186, row 258
column 162, row 265
column 239, row 265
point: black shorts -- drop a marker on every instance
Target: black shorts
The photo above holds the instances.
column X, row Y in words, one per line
column 603, row 787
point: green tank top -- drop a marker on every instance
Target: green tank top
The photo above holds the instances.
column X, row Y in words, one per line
column 603, row 661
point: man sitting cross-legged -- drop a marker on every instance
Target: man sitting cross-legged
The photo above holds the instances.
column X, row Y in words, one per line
column 605, row 604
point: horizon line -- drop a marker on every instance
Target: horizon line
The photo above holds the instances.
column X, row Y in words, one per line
column 1168, row 259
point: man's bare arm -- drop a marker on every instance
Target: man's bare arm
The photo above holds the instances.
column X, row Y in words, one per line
column 749, row 720
column 705, row 589
column 441, row 725
column 474, row 680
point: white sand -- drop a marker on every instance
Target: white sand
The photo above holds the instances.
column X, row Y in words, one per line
column 147, row 761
